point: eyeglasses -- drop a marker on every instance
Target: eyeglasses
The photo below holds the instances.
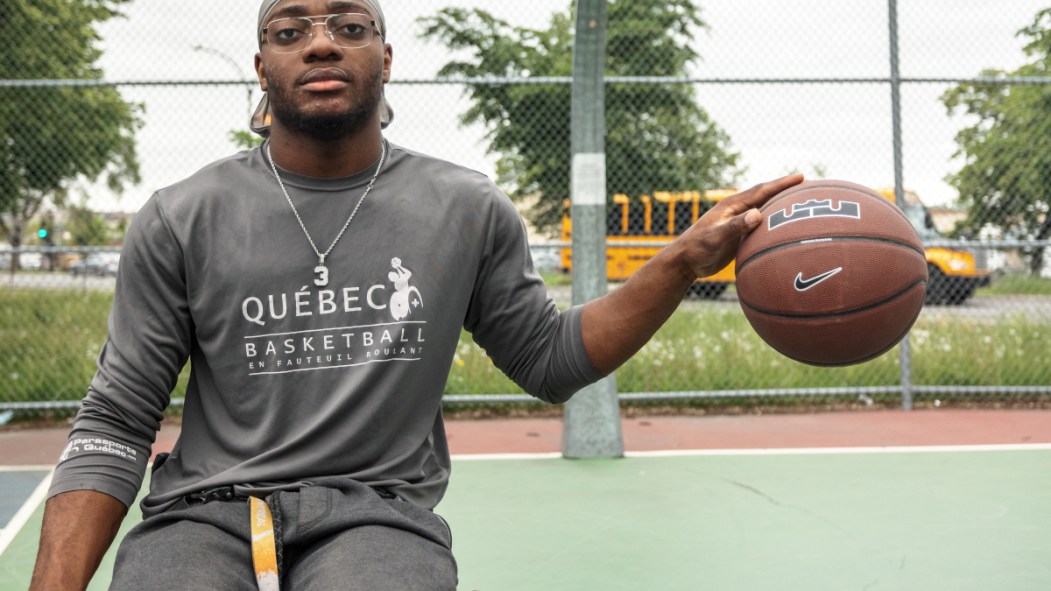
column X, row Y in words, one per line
column 292, row 35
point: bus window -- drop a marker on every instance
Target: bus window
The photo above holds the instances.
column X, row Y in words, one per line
column 636, row 219
column 617, row 219
column 683, row 216
column 680, row 211
column 667, row 200
column 613, row 225
column 647, row 215
column 659, row 223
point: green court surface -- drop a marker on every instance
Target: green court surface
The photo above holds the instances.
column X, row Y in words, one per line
column 919, row 518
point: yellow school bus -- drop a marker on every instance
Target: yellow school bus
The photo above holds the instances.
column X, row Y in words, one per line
column 637, row 229
column 953, row 273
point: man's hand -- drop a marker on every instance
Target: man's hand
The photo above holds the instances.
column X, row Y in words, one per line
column 618, row 324
column 711, row 243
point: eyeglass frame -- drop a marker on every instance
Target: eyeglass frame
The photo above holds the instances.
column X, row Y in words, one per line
column 328, row 31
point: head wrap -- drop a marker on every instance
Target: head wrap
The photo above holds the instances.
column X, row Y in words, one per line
column 260, row 122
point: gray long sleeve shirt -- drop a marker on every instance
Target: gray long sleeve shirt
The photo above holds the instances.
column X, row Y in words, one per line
column 290, row 381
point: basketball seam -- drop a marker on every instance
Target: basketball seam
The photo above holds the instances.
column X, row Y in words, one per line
column 841, row 312
column 868, row 357
column 756, row 255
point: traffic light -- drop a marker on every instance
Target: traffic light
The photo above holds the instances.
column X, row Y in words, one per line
column 44, row 234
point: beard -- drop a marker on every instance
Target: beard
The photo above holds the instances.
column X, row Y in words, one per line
column 326, row 126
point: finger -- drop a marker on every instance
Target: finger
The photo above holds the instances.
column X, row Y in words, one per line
column 736, row 227
column 718, row 243
column 746, row 222
column 761, row 193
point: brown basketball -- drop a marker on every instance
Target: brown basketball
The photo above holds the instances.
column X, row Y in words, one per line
column 834, row 275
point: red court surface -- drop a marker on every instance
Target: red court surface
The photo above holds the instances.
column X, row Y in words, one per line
column 881, row 428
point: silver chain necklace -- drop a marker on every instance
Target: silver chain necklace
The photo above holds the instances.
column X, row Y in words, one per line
column 321, row 271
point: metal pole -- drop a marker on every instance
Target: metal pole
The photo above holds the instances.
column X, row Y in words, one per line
column 591, row 426
column 899, row 190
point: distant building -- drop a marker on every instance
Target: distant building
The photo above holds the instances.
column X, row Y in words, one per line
column 946, row 218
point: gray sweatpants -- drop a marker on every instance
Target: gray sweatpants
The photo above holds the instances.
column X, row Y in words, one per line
column 327, row 538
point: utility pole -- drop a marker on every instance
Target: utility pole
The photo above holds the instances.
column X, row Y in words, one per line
column 591, row 427
column 899, row 183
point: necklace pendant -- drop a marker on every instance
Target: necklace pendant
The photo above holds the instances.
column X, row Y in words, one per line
column 321, row 271
column 321, row 275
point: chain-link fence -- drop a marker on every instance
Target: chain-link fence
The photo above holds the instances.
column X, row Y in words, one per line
column 950, row 104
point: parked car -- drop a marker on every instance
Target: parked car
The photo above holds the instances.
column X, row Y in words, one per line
column 546, row 259
column 30, row 261
column 101, row 263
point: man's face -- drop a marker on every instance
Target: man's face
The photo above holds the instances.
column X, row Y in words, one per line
column 325, row 90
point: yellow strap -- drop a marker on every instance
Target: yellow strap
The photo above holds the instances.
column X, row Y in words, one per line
column 264, row 550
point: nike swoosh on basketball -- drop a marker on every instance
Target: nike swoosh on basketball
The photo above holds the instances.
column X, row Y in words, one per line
column 805, row 284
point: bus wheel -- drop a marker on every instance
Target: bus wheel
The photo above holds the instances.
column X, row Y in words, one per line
column 960, row 295
column 937, row 286
column 708, row 291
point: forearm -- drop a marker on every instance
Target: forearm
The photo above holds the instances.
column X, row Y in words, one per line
column 619, row 324
column 78, row 528
column 616, row 325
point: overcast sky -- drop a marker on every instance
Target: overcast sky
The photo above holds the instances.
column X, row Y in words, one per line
column 844, row 129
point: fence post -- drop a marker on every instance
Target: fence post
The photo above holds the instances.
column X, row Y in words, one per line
column 899, row 187
column 591, row 426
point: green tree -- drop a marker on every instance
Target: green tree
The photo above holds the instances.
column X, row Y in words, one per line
column 658, row 137
column 87, row 227
column 1006, row 177
column 54, row 137
column 244, row 139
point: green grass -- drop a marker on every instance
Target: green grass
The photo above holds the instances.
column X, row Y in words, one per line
column 1011, row 352
column 1018, row 284
column 474, row 373
column 556, row 278
column 717, row 350
column 49, row 340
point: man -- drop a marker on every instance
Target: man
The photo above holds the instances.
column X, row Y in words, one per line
column 319, row 284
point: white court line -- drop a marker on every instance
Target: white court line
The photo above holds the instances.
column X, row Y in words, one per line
column 522, row 456
column 29, row 468
column 801, row 451
column 7, row 535
column 29, row 507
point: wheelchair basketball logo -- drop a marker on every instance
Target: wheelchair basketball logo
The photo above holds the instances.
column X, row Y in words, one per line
column 406, row 298
column 70, row 449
